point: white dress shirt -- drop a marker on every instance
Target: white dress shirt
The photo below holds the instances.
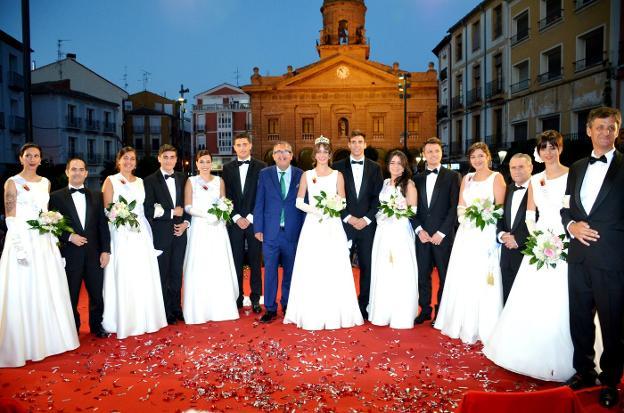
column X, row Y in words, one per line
column 358, row 174
column 171, row 187
column 594, row 177
column 429, row 186
column 516, row 200
column 242, row 170
column 80, row 202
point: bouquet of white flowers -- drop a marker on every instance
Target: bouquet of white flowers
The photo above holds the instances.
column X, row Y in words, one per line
column 546, row 248
column 222, row 209
column 483, row 212
column 330, row 205
column 51, row 222
column 120, row 214
column 394, row 204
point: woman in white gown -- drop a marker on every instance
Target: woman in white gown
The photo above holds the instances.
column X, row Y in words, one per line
column 133, row 302
column 472, row 299
column 394, row 276
column 532, row 336
column 210, row 284
column 36, row 318
column 322, row 292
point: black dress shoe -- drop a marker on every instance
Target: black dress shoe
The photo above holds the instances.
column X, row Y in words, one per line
column 422, row 317
column 268, row 316
column 581, row 381
column 284, row 308
column 171, row 320
column 101, row 333
column 255, row 307
column 180, row 317
column 609, row 396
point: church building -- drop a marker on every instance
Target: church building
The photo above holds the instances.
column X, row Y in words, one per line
column 340, row 92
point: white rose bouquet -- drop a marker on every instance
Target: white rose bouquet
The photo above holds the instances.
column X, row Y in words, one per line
column 50, row 222
column 483, row 212
column 394, row 204
column 330, row 205
column 120, row 214
column 222, row 209
column 546, row 249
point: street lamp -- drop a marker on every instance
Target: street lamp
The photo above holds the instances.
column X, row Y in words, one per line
column 403, row 88
column 181, row 102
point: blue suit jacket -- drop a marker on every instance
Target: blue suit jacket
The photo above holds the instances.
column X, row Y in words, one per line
column 269, row 204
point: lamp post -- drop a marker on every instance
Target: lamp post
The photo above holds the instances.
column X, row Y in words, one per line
column 403, row 88
column 182, row 101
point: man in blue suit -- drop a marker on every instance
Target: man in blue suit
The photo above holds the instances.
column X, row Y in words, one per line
column 278, row 223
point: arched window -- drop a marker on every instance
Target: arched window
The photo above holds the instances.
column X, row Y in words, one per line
column 343, row 127
column 343, row 32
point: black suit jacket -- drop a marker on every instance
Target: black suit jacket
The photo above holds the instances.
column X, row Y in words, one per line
column 518, row 228
column 366, row 204
column 96, row 223
column 441, row 214
column 156, row 192
column 606, row 216
column 244, row 199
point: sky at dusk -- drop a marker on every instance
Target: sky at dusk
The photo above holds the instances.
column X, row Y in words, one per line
column 202, row 43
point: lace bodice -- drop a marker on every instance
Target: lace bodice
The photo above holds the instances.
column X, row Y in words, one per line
column 205, row 193
column 478, row 189
column 316, row 184
column 131, row 191
column 548, row 196
column 32, row 197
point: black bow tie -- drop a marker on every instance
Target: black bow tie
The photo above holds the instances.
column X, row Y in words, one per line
column 593, row 160
column 431, row 171
column 168, row 176
column 243, row 162
column 517, row 188
column 81, row 190
column 357, row 162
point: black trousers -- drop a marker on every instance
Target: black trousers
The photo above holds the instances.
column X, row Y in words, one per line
column 509, row 264
column 429, row 256
column 171, row 263
column 362, row 244
column 86, row 266
column 238, row 237
column 592, row 289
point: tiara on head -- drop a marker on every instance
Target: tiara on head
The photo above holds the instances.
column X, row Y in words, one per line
column 321, row 139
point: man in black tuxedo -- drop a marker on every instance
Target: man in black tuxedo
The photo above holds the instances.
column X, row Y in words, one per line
column 511, row 228
column 363, row 182
column 240, row 177
column 593, row 215
column 434, row 223
column 164, row 209
column 87, row 251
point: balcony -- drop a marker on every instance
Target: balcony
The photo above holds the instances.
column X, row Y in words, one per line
column 92, row 125
column 457, row 103
column 15, row 80
column 520, row 86
column 94, row 159
column 74, row 154
column 17, row 124
column 474, row 97
column 494, row 88
column 138, row 129
column 494, row 142
column 520, row 36
column 307, row 136
column 72, row 122
column 378, row 136
column 443, row 74
column 442, row 112
column 412, row 136
column 109, row 157
column 579, row 4
column 109, row 128
column 550, row 19
column 587, row 63
column 155, row 130
column 456, row 149
column 200, row 128
column 214, row 107
column 550, row 76
column 273, row 137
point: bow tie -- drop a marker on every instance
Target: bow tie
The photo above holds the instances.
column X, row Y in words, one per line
column 243, row 162
column 357, row 162
column 81, row 190
column 431, row 171
column 593, row 160
column 168, row 176
column 517, row 188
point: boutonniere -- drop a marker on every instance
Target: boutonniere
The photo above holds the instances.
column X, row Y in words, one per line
column 26, row 187
column 542, row 182
column 314, row 179
column 123, row 181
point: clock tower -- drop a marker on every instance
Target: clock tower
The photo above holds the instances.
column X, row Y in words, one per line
column 343, row 29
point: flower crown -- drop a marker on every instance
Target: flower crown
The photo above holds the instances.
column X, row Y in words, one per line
column 321, row 139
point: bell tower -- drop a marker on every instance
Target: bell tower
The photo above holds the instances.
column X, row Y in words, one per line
column 343, row 29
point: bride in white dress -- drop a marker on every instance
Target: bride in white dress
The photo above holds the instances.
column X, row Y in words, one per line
column 210, row 282
column 36, row 318
column 394, row 276
column 133, row 302
column 322, row 291
column 532, row 336
column 472, row 299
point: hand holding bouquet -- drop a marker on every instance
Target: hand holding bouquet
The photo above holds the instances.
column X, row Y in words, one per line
column 546, row 249
column 120, row 214
column 50, row 222
column 222, row 209
column 483, row 212
column 330, row 205
column 394, row 204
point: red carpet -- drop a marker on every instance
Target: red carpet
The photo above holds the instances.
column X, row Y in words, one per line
column 246, row 366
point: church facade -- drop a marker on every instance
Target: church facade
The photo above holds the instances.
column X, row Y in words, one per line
column 341, row 92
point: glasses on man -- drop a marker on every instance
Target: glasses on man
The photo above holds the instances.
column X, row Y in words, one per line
column 282, row 152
